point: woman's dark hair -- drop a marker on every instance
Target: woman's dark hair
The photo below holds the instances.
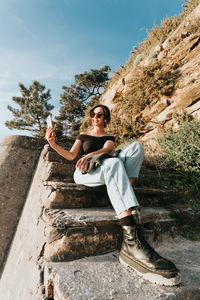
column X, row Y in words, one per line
column 106, row 112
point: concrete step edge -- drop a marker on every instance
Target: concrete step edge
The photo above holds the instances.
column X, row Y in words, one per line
column 74, row 186
column 64, row 218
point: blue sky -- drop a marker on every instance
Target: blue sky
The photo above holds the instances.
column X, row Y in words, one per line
column 51, row 41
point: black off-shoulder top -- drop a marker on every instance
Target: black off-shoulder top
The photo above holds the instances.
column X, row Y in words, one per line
column 91, row 143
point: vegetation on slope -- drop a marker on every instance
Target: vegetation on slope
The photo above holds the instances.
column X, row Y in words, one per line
column 150, row 78
column 181, row 151
column 156, row 36
column 176, row 164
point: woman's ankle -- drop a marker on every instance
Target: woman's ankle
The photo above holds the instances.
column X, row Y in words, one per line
column 125, row 213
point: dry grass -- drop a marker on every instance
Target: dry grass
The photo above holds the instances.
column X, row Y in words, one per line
column 147, row 85
column 156, row 36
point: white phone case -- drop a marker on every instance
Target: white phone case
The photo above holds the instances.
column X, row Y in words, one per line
column 49, row 122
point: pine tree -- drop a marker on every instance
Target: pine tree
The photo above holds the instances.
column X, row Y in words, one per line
column 87, row 89
column 34, row 109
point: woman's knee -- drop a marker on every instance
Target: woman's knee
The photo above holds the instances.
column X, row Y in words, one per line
column 137, row 147
column 112, row 162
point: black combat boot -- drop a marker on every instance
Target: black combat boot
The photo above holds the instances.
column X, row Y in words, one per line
column 139, row 255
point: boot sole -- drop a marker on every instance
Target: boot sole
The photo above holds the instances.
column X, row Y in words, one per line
column 153, row 277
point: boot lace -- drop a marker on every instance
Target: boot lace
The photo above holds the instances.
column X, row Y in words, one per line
column 142, row 243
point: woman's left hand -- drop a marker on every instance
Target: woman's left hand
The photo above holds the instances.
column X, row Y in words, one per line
column 82, row 164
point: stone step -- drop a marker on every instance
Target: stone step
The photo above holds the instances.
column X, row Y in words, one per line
column 148, row 177
column 62, row 168
column 58, row 171
column 103, row 277
column 75, row 233
column 71, row 195
column 56, row 160
column 52, row 156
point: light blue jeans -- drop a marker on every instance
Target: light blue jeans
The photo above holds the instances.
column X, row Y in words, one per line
column 115, row 174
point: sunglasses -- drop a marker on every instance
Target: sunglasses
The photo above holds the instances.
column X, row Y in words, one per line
column 98, row 115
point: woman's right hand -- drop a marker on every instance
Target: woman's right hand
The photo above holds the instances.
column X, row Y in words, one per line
column 82, row 164
column 50, row 136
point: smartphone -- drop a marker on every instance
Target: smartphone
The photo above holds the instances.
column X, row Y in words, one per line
column 49, row 122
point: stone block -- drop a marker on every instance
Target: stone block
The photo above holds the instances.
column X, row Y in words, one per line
column 75, row 233
column 103, row 277
column 57, row 171
column 66, row 195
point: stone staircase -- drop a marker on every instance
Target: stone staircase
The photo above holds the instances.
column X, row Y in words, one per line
column 83, row 238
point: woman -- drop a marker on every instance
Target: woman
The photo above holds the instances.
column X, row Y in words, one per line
column 118, row 174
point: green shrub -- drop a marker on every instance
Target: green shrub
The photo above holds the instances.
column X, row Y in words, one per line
column 181, row 150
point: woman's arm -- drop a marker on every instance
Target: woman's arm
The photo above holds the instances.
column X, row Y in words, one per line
column 82, row 163
column 69, row 155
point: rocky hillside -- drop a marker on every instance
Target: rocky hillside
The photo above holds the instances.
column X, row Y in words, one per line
column 159, row 79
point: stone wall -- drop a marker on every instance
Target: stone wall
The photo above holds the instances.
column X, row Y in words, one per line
column 22, row 275
column 18, row 159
